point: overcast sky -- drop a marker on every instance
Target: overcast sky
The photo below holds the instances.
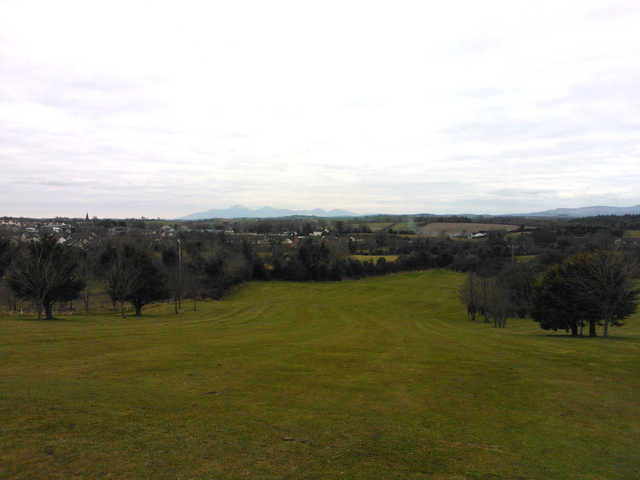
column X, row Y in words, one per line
column 125, row 109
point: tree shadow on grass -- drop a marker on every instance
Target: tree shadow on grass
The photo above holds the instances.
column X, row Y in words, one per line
column 29, row 318
column 613, row 338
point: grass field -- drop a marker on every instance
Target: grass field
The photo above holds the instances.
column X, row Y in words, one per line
column 438, row 228
column 376, row 226
column 404, row 227
column 395, row 227
column 632, row 233
column 380, row 378
column 374, row 258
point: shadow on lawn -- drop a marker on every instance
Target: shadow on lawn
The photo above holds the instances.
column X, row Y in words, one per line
column 29, row 318
column 613, row 338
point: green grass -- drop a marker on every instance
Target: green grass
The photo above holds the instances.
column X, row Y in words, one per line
column 376, row 226
column 632, row 233
column 404, row 227
column 380, row 378
column 374, row 258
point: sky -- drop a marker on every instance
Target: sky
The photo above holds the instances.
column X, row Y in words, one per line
column 160, row 109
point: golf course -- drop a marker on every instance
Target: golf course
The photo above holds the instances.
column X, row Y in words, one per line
column 380, row 378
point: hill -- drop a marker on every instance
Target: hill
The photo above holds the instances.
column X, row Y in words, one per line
column 240, row 211
column 377, row 378
column 584, row 212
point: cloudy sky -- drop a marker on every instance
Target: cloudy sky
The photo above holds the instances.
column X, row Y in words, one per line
column 161, row 109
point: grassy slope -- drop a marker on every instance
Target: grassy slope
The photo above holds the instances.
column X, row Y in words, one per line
column 378, row 378
column 374, row 258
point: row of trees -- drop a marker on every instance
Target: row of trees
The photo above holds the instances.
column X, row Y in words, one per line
column 496, row 298
column 319, row 260
column 594, row 289
column 207, row 265
column 47, row 271
column 138, row 271
column 586, row 289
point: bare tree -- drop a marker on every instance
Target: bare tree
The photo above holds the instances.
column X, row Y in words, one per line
column 45, row 271
column 499, row 306
column 469, row 294
column 487, row 297
column 119, row 282
column 134, row 277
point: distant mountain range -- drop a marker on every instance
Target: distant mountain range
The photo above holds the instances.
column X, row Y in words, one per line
column 583, row 212
column 240, row 211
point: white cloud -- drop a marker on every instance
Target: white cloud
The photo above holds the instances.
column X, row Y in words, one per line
column 131, row 108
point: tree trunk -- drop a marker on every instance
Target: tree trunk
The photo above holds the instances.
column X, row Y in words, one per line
column 581, row 328
column 574, row 330
column 138, row 310
column 175, row 304
column 592, row 328
column 48, row 309
column 122, row 312
column 39, row 308
column 86, row 300
column 606, row 327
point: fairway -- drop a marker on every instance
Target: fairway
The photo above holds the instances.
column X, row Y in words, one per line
column 377, row 378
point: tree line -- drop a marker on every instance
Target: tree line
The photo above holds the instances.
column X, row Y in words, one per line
column 594, row 289
column 135, row 270
column 131, row 270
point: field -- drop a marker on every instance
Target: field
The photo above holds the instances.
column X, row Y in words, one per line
column 404, row 227
column 632, row 233
column 380, row 378
column 437, row 228
column 376, row 226
column 525, row 258
column 374, row 258
column 394, row 227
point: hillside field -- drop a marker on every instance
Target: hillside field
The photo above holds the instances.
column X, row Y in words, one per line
column 382, row 378
column 438, row 228
column 374, row 258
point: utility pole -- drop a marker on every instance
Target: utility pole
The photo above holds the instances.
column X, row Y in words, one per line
column 179, row 274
